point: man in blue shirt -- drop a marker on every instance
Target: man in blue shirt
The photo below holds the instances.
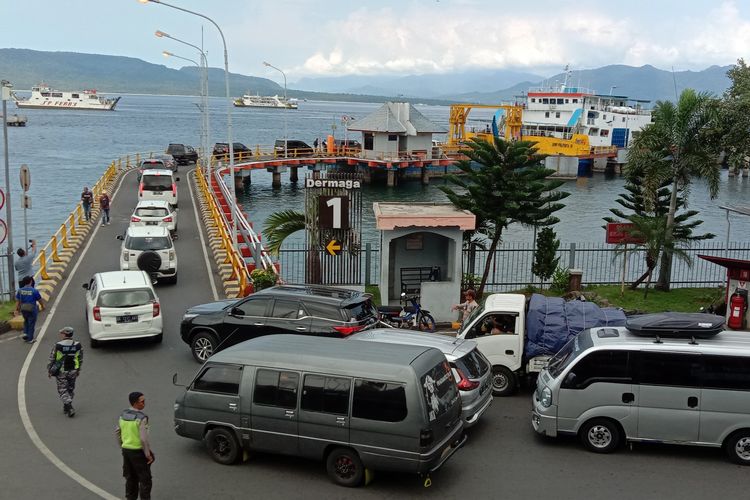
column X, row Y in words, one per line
column 27, row 298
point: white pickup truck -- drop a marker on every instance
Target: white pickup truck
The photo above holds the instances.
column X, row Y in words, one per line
column 517, row 349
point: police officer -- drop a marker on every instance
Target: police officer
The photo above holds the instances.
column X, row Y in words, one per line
column 137, row 457
column 65, row 362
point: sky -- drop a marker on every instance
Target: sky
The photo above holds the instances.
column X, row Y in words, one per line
column 315, row 38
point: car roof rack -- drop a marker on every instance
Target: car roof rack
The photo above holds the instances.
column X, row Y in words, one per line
column 675, row 325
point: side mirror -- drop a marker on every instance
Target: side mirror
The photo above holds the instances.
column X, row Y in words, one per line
column 236, row 311
column 570, row 380
column 177, row 179
column 120, row 237
column 85, row 286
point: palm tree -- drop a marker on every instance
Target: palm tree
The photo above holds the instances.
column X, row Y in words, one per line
column 504, row 182
column 279, row 226
column 676, row 147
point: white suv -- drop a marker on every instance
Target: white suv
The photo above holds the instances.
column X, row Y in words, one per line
column 150, row 249
column 122, row 305
column 155, row 213
column 158, row 184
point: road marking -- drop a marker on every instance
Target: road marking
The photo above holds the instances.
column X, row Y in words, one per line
column 203, row 241
column 22, row 408
column 11, row 338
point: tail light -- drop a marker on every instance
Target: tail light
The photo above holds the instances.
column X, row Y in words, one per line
column 426, row 437
column 140, row 189
column 349, row 329
column 174, row 189
column 135, row 219
column 97, row 313
column 171, row 255
column 157, row 309
column 167, row 219
column 465, row 384
column 125, row 256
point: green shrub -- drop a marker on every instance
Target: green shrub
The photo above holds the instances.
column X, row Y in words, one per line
column 263, row 278
column 560, row 280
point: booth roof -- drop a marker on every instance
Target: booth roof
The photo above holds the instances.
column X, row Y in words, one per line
column 727, row 262
column 389, row 216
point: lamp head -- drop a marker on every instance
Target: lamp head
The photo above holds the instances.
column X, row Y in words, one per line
column 160, row 34
column 265, row 63
column 166, row 53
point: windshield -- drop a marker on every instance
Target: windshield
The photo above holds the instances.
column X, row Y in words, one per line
column 478, row 311
column 148, row 243
column 569, row 352
column 151, row 212
column 157, row 182
column 126, row 298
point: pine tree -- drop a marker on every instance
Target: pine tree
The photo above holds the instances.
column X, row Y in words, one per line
column 545, row 256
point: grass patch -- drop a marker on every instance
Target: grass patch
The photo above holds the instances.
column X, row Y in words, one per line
column 677, row 299
column 7, row 309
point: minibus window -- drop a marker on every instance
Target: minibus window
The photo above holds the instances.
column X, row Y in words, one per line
column 381, row 401
column 726, row 372
column 608, row 366
column 326, row 394
column 274, row 388
column 221, row 379
column 669, row 368
column 439, row 390
column 569, row 352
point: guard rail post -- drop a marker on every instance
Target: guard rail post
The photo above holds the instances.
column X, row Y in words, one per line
column 71, row 218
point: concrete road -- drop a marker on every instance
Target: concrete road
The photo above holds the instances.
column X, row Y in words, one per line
column 502, row 459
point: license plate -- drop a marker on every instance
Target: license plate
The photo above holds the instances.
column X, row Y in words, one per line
column 151, row 223
column 128, row 318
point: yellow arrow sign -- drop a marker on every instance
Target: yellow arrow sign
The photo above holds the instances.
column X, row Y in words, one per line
column 333, row 247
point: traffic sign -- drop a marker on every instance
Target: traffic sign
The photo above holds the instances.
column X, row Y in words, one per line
column 333, row 247
column 2, row 199
column 621, row 233
column 333, row 212
column 25, row 176
column 3, row 231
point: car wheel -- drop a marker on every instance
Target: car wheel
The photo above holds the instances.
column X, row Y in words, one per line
column 93, row 343
column 600, row 435
column 223, row 446
column 737, row 447
column 345, row 467
column 503, row 381
column 157, row 339
column 426, row 322
column 172, row 280
column 203, row 345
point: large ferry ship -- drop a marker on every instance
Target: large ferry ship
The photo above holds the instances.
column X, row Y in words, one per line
column 42, row 96
column 259, row 101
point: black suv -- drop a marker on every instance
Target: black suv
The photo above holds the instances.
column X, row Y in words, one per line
column 294, row 148
column 221, row 151
column 183, row 154
column 302, row 309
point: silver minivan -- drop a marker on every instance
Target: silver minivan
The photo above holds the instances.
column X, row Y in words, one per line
column 470, row 368
column 609, row 386
column 356, row 407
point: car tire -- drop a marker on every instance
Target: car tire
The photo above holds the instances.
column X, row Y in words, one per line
column 203, row 345
column 737, row 447
column 600, row 435
column 93, row 343
column 172, row 280
column 426, row 322
column 223, row 446
column 157, row 339
column 503, row 381
column 344, row 467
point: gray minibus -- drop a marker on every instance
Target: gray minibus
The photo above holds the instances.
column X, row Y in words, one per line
column 608, row 386
column 357, row 406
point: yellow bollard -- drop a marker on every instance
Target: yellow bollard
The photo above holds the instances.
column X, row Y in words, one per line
column 79, row 212
column 64, row 236
column 55, row 256
column 43, row 265
column 137, row 159
column 72, row 220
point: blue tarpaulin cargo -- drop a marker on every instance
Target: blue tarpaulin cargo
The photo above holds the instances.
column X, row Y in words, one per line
column 551, row 322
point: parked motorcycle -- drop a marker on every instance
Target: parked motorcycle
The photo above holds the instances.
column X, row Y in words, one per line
column 407, row 316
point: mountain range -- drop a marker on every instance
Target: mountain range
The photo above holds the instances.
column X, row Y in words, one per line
column 119, row 74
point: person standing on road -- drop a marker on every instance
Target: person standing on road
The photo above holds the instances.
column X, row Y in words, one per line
column 65, row 362
column 104, row 205
column 27, row 298
column 468, row 305
column 25, row 262
column 87, row 199
column 137, row 457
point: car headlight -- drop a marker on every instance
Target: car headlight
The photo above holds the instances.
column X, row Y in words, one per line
column 188, row 316
column 546, row 399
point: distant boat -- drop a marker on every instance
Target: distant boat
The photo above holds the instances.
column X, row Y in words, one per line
column 15, row 120
column 42, row 96
column 259, row 101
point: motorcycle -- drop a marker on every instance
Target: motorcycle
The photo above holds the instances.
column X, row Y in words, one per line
column 413, row 316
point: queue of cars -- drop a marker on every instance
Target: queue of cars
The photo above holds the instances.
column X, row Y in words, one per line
column 123, row 304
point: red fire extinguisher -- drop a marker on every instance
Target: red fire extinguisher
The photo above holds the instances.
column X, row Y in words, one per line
column 737, row 309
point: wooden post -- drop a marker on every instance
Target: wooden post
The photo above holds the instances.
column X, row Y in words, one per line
column 293, row 175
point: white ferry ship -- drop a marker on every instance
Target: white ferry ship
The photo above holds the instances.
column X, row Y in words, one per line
column 258, row 101
column 42, row 96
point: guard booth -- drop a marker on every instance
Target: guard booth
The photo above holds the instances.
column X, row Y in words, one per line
column 738, row 276
column 420, row 253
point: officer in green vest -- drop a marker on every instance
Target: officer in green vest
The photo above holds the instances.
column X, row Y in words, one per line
column 137, row 457
column 65, row 363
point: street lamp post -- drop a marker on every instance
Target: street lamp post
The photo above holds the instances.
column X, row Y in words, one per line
column 5, row 89
column 203, row 67
column 286, row 103
column 229, row 112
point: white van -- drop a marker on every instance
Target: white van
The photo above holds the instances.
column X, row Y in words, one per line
column 158, row 184
column 609, row 385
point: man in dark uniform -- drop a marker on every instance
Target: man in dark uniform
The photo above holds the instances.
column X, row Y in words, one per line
column 65, row 362
column 137, row 457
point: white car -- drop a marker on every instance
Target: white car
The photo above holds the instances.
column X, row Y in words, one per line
column 122, row 305
column 158, row 184
column 155, row 213
column 150, row 249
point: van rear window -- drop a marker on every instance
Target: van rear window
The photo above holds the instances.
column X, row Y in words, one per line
column 125, row 298
column 362, row 311
column 157, row 182
column 151, row 212
column 473, row 364
column 439, row 390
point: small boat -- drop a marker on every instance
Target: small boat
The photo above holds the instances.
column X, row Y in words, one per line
column 15, row 120
column 258, row 101
column 42, row 96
